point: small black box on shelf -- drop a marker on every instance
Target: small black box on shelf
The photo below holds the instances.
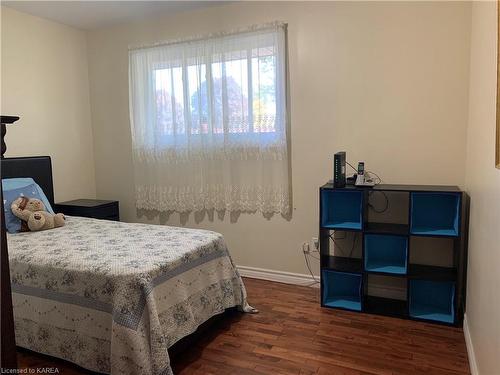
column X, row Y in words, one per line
column 339, row 170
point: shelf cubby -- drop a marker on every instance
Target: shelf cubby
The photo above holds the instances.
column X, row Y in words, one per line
column 342, row 209
column 386, row 254
column 432, row 300
column 385, row 306
column 343, row 264
column 435, row 214
column 342, row 289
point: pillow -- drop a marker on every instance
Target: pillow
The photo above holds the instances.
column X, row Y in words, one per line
column 12, row 222
column 15, row 183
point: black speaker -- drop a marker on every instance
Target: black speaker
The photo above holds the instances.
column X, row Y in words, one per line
column 339, row 169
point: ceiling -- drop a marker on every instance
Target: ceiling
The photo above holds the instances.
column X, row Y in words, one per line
column 90, row 15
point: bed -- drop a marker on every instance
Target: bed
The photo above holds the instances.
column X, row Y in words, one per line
column 112, row 297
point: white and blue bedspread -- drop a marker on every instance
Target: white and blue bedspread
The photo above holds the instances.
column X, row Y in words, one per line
column 113, row 297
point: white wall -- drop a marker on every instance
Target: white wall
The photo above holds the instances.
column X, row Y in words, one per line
column 45, row 81
column 387, row 82
column 483, row 185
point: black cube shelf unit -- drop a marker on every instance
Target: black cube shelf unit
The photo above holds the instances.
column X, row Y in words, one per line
column 433, row 293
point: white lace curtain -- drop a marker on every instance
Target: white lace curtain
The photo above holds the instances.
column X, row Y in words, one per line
column 209, row 122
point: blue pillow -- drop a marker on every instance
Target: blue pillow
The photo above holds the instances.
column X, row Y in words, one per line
column 15, row 183
column 12, row 222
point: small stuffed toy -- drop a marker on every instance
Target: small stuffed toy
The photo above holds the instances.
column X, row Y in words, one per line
column 32, row 212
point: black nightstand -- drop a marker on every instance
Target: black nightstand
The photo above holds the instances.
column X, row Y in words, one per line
column 97, row 209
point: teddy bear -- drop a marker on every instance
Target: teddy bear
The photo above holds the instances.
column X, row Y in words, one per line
column 33, row 214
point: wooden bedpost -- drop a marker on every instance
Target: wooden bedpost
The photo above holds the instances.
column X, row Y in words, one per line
column 8, row 359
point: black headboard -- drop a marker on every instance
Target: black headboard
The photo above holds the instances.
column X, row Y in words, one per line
column 39, row 168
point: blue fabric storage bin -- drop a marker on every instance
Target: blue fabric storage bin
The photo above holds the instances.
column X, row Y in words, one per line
column 386, row 253
column 342, row 209
column 436, row 214
column 342, row 289
column 432, row 300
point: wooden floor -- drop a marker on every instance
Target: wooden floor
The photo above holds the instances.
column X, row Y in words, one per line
column 292, row 334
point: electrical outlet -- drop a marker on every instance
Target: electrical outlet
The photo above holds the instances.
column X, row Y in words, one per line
column 315, row 243
column 306, row 249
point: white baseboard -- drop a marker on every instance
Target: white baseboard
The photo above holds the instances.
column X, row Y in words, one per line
column 307, row 280
column 470, row 348
column 278, row 276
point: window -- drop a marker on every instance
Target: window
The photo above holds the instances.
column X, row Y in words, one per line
column 208, row 105
column 230, row 87
column 242, row 91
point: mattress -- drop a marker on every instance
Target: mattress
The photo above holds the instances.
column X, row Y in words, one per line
column 112, row 297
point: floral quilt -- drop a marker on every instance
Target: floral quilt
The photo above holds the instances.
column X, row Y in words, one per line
column 112, row 297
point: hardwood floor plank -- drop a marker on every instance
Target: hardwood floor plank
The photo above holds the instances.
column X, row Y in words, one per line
column 293, row 335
